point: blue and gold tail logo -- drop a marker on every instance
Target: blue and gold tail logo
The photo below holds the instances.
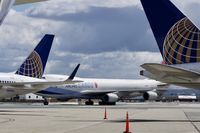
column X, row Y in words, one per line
column 32, row 66
column 182, row 43
column 35, row 64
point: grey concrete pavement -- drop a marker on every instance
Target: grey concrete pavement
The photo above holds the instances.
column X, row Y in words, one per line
column 144, row 118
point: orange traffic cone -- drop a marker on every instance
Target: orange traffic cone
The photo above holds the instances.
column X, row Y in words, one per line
column 127, row 124
column 105, row 114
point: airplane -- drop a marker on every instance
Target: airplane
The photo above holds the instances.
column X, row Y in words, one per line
column 178, row 40
column 107, row 90
column 28, row 77
column 7, row 4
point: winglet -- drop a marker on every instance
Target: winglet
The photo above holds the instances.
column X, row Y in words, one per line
column 73, row 74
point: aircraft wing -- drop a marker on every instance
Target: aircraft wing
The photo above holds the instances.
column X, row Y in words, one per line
column 20, row 2
column 166, row 72
column 95, row 93
column 41, row 83
column 125, row 92
column 44, row 83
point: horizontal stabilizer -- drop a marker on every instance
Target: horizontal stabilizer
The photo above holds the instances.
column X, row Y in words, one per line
column 163, row 71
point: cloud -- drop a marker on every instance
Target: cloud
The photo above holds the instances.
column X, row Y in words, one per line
column 60, row 7
column 190, row 8
column 98, row 28
column 110, row 38
column 118, row 64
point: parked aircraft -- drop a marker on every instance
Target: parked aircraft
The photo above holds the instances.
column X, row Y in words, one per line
column 107, row 90
column 179, row 43
column 28, row 77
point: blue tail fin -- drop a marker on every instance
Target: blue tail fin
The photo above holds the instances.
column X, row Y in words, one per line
column 177, row 37
column 34, row 65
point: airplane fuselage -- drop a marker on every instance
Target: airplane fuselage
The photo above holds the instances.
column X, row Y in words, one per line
column 96, row 88
column 10, row 87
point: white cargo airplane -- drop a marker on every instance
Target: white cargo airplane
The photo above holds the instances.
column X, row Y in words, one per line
column 7, row 4
column 28, row 78
column 109, row 91
column 179, row 43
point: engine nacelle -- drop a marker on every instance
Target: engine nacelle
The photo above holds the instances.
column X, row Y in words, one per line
column 150, row 95
column 110, row 98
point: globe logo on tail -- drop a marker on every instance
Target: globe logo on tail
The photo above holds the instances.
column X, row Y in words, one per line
column 182, row 43
column 32, row 66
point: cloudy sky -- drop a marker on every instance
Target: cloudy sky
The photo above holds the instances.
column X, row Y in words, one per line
column 110, row 38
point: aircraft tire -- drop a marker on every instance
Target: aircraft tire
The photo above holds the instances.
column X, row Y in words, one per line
column 107, row 103
column 46, row 102
column 89, row 103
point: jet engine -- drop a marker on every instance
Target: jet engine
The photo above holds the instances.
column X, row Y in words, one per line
column 110, row 98
column 150, row 95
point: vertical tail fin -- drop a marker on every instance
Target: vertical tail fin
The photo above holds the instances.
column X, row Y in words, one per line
column 34, row 65
column 177, row 37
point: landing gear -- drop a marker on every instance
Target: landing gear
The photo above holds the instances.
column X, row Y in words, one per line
column 79, row 101
column 107, row 103
column 16, row 98
column 89, row 102
column 46, row 101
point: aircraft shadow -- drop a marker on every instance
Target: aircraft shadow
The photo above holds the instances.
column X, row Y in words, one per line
column 151, row 120
column 131, row 120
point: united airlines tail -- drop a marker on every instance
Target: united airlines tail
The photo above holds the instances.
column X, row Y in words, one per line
column 34, row 65
column 179, row 43
column 177, row 37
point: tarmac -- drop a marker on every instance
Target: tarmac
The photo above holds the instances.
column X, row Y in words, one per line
column 72, row 118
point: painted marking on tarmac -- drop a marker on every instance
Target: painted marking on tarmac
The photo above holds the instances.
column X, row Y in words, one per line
column 192, row 122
